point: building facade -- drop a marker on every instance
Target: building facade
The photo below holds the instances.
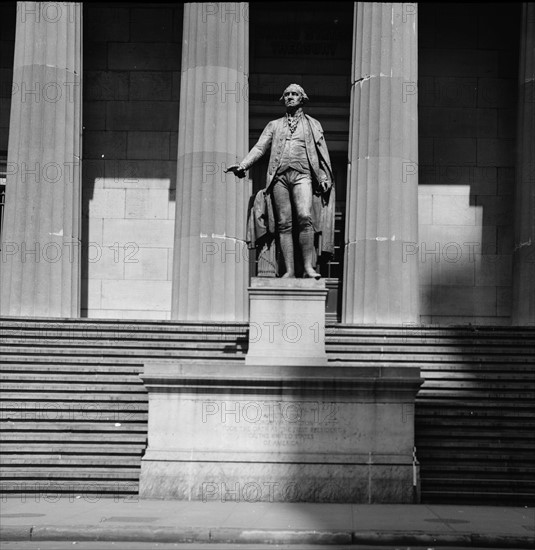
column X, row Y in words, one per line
column 118, row 121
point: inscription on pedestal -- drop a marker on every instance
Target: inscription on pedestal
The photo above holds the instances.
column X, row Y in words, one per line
column 278, row 425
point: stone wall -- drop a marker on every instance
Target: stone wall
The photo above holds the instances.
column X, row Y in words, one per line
column 132, row 56
column 468, row 62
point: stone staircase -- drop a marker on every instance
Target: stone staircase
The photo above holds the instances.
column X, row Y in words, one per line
column 475, row 413
column 73, row 413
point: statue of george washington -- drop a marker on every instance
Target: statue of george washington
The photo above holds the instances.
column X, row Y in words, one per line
column 298, row 201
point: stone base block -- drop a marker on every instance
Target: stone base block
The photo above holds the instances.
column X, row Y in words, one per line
column 280, row 433
column 287, row 322
column 277, row 482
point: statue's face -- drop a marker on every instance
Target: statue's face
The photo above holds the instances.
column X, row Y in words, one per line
column 292, row 98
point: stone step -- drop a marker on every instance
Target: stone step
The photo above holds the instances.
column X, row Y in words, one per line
column 73, row 426
column 104, row 386
column 435, row 458
column 486, row 394
column 130, row 370
column 167, row 325
column 119, row 325
column 482, row 374
column 483, row 384
column 341, row 356
column 62, row 395
column 46, row 448
column 35, row 461
column 195, row 350
column 514, row 413
column 490, row 471
column 92, row 491
column 94, row 474
column 445, row 343
column 475, row 368
column 448, row 452
column 33, row 377
column 435, row 406
column 93, row 414
column 132, row 366
column 473, row 435
column 57, row 331
column 74, row 346
column 499, row 497
column 458, row 444
column 481, row 483
column 192, row 340
column 111, row 407
column 433, row 330
column 35, row 436
column 333, row 336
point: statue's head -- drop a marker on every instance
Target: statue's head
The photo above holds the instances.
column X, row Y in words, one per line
column 293, row 96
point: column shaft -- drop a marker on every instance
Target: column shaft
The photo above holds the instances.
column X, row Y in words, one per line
column 523, row 312
column 41, row 228
column 210, row 268
column 380, row 265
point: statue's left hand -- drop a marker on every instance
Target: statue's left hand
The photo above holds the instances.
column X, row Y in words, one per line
column 324, row 186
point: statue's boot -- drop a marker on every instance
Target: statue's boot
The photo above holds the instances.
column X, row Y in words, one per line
column 306, row 241
column 287, row 248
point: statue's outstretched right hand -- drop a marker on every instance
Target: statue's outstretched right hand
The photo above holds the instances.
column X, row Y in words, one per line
column 237, row 170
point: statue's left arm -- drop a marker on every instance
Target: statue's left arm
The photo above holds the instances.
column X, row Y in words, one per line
column 325, row 175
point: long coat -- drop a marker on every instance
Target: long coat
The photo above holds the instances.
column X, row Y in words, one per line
column 261, row 220
column 274, row 137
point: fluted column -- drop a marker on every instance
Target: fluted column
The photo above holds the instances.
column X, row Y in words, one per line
column 40, row 268
column 523, row 312
column 210, row 268
column 380, row 265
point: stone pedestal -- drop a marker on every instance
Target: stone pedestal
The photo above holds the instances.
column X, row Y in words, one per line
column 287, row 322
column 227, row 431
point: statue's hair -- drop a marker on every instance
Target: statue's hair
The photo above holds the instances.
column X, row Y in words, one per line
column 299, row 89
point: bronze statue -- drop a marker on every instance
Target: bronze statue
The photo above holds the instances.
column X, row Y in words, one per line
column 299, row 191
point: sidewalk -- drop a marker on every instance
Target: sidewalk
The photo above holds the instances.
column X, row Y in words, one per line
column 67, row 517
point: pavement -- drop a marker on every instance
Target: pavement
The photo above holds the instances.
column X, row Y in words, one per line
column 94, row 518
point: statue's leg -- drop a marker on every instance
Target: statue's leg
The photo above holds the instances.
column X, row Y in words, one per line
column 302, row 195
column 283, row 215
